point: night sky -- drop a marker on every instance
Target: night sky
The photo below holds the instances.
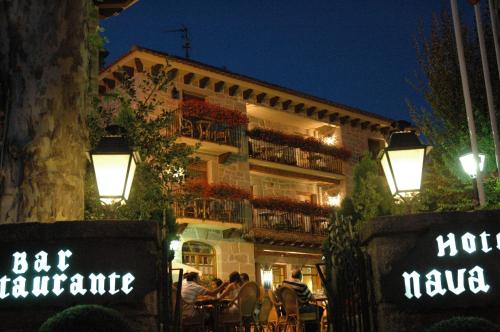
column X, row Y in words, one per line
column 359, row 53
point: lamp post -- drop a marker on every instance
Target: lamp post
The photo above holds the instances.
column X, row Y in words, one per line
column 114, row 166
column 470, row 167
column 403, row 162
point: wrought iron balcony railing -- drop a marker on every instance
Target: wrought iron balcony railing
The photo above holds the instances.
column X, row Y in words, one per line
column 212, row 209
column 293, row 156
column 291, row 222
column 206, row 130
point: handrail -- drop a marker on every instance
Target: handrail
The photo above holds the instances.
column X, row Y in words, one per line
column 211, row 209
column 293, row 156
column 292, row 222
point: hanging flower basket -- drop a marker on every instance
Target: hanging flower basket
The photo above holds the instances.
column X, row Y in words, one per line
column 199, row 109
column 310, row 144
column 288, row 205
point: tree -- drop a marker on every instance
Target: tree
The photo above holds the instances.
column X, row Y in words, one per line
column 137, row 105
column 444, row 123
column 370, row 196
column 47, row 63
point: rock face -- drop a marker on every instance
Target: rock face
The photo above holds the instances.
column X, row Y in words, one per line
column 430, row 267
column 46, row 66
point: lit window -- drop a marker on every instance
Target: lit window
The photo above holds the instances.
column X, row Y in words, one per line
column 279, row 275
column 201, row 256
column 311, row 279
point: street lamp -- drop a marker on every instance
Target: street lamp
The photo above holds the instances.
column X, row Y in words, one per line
column 403, row 163
column 470, row 166
column 114, row 165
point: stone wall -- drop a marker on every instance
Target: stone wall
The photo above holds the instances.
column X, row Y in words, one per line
column 272, row 186
column 408, row 243
column 355, row 140
column 97, row 247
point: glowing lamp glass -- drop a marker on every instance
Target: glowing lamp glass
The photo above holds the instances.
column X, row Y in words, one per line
column 267, row 278
column 330, row 140
column 114, row 166
column 469, row 165
column 403, row 163
column 175, row 245
column 334, row 200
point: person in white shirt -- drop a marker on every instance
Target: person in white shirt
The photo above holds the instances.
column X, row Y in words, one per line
column 191, row 289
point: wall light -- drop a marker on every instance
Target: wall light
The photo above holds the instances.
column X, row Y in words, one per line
column 266, row 275
column 334, row 200
column 330, row 140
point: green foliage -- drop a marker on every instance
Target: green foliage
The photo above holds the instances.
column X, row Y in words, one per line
column 445, row 186
column 464, row 324
column 86, row 318
column 370, row 196
column 138, row 106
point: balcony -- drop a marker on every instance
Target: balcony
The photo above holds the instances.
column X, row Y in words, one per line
column 290, row 222
column 209, row 131
column 295, row 157
column 219, row 129
column 202, row 203
column 210, row 212
column 285, row 222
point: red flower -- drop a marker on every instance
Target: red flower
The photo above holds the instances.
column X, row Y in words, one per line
column 199, row 109
column 310, row 144
column 202, row 188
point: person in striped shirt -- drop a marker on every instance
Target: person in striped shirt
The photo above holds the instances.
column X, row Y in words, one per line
column 304, row 295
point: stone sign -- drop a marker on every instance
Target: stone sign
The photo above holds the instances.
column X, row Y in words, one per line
column 71, row 272
column 47, row 267
column 449, row 267
column 433, row 266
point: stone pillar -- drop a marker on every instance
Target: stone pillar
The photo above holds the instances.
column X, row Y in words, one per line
column 46, row 60
column 400, row 244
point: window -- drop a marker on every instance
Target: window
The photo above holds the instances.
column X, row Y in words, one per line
column 201, row 256
column 279, row 274
column 198, row 170
column 311, row 279
column 374, row 146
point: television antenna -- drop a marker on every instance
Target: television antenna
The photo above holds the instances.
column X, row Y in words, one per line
column 186, row 42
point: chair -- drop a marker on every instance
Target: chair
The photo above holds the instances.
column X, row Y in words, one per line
column 293, row 318
column 194, row 324
column 247, row 299
column 187, row 128
column 263, row 319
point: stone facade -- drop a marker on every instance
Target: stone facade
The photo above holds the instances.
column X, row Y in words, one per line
column 270, row 107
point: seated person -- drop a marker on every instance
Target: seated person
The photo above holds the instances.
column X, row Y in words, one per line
column 215, row 283
column 244, row 277
column 231, row 292
column 304, row 295
column 191, row 289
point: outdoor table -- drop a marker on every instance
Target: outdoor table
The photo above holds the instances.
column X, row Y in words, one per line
column 213, row 304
